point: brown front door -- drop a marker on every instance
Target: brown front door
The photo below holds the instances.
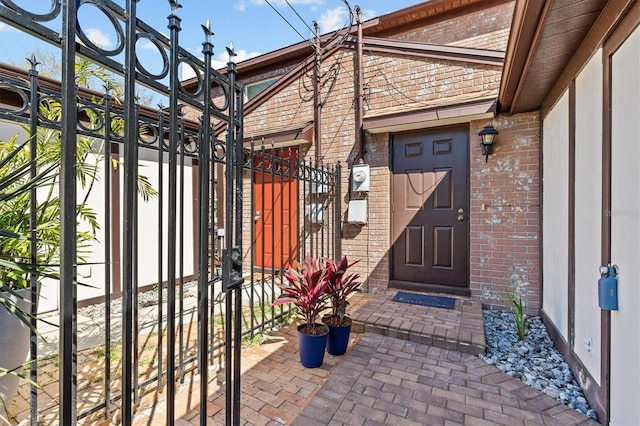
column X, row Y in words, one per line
column 430, row 200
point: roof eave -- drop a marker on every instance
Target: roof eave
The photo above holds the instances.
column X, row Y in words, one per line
column 461, row 112
column 526, row 28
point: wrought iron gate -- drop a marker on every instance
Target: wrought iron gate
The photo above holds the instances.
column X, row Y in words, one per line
column 189, row 237
column 131, row 134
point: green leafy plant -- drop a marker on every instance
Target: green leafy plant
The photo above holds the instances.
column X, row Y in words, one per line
column 339, row 286
column 517, row 305
column 305, row 288
column 16, row 184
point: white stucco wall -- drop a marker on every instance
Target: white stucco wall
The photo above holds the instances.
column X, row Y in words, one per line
column 625, row 232
column 148, row 221
column 92, row 274
column 588, row 215
column 555, row 151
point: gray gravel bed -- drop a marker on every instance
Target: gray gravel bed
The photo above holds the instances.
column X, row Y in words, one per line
column 535, row 361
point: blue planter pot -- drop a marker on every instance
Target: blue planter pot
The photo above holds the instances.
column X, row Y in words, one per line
column 312, row 347
column 338, row 338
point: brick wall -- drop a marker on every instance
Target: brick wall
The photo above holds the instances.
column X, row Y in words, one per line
column 504, row 239
column 505, row 212
column 371, row 242
column 479, row 30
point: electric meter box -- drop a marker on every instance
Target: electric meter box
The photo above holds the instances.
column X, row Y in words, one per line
column 360, row 178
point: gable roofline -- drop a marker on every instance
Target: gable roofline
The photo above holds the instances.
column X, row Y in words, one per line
column 451, row 53
column 375, row 27
column 447, row 52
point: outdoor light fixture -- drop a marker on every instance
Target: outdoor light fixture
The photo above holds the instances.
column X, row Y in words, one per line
column 488, row 134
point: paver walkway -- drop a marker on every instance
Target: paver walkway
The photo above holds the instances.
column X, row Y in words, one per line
column 418, row 365
column 385, row 380
column 413, row 365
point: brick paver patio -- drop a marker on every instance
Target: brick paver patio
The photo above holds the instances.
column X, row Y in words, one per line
column 394, row 374
column 406, row 365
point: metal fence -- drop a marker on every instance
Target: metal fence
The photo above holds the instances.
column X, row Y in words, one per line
column 205, row 230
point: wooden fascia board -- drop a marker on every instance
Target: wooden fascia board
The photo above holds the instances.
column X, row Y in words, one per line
column 601, row 29
column 433, row 5
column 452, row 53
column 280, row 138
column 526, row 28
column 468, row 109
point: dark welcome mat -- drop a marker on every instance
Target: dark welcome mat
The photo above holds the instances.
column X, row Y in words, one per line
column 425, row 300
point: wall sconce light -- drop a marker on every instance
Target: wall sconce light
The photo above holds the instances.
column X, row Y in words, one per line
column 488, row 133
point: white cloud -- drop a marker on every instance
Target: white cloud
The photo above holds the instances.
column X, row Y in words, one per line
column 368, row 14
column 7, row 28
column 98, row 38
column 221, row 60
column 240, row 6
column 283, row 3
column 333, row 19
column 146, row 45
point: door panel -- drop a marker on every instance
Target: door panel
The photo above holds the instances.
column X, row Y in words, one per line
column 430, row 204
column 276, row 218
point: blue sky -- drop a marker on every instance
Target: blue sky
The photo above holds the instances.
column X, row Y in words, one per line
column 252, row 25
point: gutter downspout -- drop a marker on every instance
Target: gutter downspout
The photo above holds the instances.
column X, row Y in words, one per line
column 317, row 102
column 359, row 94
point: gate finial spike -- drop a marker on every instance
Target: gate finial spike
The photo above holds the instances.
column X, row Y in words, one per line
column 231, row 52
column 207, row 30
column 107, row 88
column 174, row 6
column 33, row 61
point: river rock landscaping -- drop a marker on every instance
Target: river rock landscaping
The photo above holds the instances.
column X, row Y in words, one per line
column 535, row 361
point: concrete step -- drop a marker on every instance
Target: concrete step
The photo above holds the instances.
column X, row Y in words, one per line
column 460, row 328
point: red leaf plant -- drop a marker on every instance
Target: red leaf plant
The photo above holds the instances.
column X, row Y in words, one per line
column 339, row 286
column 305, row 289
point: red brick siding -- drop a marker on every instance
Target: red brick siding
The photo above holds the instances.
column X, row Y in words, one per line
column 391, row 81
column 479, row 30
column 505, row 239
column 289, row 106
column 371, row 243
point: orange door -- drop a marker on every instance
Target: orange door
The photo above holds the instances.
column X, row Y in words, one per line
column 276, row 217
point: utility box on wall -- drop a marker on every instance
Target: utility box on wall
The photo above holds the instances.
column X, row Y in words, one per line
column 316, row 213
column 360, row 178
column 319, row 188
column 357, row 214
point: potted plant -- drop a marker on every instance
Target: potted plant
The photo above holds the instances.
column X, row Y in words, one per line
column 305, row 289
column 339, row 286
column 22, row 176
column 16, row 185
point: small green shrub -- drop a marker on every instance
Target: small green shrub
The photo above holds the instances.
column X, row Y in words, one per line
column 517, row 304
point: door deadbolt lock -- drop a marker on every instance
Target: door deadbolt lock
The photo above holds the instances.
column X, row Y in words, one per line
column 460, row 210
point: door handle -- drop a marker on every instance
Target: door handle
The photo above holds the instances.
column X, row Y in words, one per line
column 461, row 217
